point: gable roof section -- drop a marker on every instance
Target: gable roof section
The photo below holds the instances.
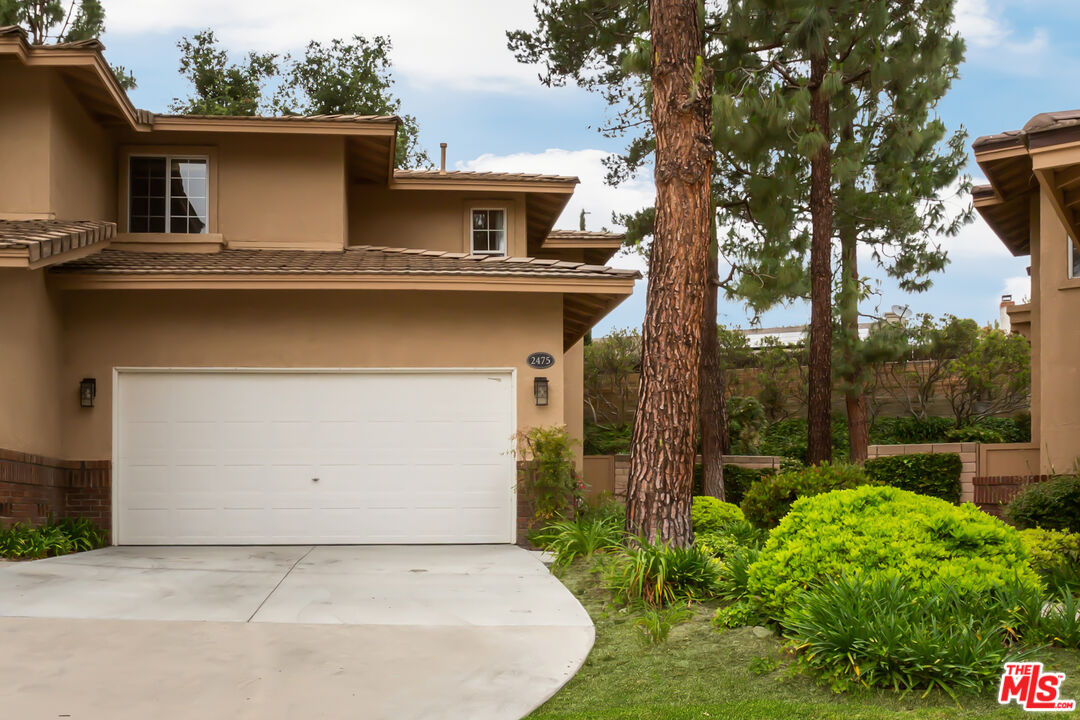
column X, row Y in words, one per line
column 35, row 243
column 1044, row 154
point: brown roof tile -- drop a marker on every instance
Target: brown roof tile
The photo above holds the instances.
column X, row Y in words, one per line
column 585, row 235
column 45, row 238
column 357, row 260
column 452, row 175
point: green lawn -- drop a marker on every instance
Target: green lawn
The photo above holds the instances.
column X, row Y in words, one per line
column 702, row 673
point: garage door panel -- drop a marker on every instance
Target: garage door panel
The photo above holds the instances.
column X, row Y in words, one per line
column 207, row 457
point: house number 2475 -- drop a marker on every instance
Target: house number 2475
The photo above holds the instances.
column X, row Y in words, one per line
column 540, row 360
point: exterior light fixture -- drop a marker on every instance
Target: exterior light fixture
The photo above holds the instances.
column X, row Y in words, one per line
column 87, row 392
column 540, row 391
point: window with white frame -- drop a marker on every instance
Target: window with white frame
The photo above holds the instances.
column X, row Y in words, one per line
column 1074, row 258
column 489, row 231
column 168, row 194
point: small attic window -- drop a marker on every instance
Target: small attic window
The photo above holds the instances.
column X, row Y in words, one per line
column 489, row 231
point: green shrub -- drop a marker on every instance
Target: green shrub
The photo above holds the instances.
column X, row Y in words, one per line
column 605, row 505
column 975, row 433
column 884, row 529
column 881, row 631
column 712, row 515
column 1055, row 556
column 936, row 475
column 607, row 438
column 910, row 430
column 734, row 580
column 65, row 536
column 547, row 473
column 769, row 499
column 737, row 480
column 1053, row 505
column 658, row 574
column 568, row 540
column 722, row 543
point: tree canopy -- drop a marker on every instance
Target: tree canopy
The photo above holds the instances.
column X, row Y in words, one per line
column 339, row 77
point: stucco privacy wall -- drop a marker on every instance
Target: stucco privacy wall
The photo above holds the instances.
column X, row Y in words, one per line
column 30, row 354
column 279, row 328
column 574, row 397
column 380, row 216
column 83, row 173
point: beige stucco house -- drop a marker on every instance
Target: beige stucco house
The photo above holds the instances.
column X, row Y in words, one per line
column 255, row 330
column 1033, row 204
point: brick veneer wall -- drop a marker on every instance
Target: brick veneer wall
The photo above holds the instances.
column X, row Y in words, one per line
column 34, row 488
column 992, row 494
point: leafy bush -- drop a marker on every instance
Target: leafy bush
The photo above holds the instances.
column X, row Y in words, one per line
column 910, row 430
column 658, row 574
column 737, row 480
column 936, row 475
column 568, row 540
column 655, row 624
column 974, row 433
column 1055, row 556
column 548, row 476
column 723, row 543
column 788, row 438
column 882, row 631
column 712, row 515
column 69, row 535
column 607, row 439
column 1053, row 505
column 884, row 529
column 769, row 499
column 746, row 418
column 734, row 581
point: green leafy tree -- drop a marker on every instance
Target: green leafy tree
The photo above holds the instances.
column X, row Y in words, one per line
column 53, row 21
column 218, row 86
column 826, row 113
column 925, row 351
column 992, row 378
column 611, row 362
column 351, row 78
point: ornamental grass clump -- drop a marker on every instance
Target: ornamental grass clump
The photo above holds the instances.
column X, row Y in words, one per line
column 568, row 540
column 657, row 574
column 919, row 539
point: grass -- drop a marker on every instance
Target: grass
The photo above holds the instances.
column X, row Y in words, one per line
column 700, row 673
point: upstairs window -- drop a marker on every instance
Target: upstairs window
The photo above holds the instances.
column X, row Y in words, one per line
column 167, row 194
column 1074, row 258
column 488, row 231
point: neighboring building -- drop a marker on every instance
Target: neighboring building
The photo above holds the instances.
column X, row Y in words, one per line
column 796, row 334
column 1033, row 204
column 255, row 330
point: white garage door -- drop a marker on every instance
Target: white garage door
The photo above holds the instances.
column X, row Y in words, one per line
column 251, row 457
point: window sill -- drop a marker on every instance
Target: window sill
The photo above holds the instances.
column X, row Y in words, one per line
column 1070, row 284
column 169, row 242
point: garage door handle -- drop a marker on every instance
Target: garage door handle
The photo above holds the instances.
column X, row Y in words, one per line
column 314, row 479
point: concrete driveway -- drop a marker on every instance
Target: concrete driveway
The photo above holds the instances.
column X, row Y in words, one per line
column 286, row 632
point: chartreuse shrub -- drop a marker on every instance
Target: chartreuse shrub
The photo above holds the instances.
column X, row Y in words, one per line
column 936, row 475
column 1053, row 505
column 657, row 574
column 712, row 515
column 1055, row 556
column 883, row 529
column 879, row 629
column 547, row 473
column 769, row 499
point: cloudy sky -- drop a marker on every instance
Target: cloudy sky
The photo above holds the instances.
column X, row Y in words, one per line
column 454, row 73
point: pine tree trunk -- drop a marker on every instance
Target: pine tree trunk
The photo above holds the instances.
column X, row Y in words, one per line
column 713, row 412
column 854, row 399
column 819, row 398
column 662, row 444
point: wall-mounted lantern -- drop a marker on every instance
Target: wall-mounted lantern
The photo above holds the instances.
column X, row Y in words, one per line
column 540, row 391
column 87, row 392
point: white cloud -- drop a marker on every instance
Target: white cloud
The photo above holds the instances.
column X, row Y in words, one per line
column 992, row 40
column 593, row 195
column 436, row 43
column 1019, row 287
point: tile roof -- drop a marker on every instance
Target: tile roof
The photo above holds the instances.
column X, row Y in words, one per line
column 91, row 44
column 451, row 175
column 1047, row 122
column 585, row 235
column 45, row 238
column 356, row 260
column 342, row 118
